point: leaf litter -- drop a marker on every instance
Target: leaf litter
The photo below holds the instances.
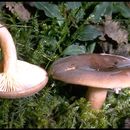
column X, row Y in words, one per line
column 115, row 38
column 17, row 8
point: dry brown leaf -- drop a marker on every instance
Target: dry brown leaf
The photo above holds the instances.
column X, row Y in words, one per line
column 123, row 49
column 127, row 123
column 114, row 31
column 108, row 47
column 113, row 38
column 18, row 9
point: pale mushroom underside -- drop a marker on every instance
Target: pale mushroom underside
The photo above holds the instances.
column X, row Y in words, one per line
column 26, row 80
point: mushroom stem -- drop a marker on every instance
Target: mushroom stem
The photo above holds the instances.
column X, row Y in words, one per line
column 8, row 50
column 96, row 96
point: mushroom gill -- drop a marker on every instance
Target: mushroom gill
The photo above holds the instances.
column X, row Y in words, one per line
column 18, row 78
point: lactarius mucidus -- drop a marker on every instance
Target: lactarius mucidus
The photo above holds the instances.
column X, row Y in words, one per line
column 18, row 78
column 97, row 72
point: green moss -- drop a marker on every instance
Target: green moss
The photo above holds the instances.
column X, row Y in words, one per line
column 56, row 106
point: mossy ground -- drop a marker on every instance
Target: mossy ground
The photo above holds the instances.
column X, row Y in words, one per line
column 58, row 105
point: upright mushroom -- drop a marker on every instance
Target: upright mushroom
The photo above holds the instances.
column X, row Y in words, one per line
column 17, row 78
column 98, row 72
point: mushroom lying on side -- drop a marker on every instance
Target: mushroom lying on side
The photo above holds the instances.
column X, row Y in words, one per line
column 17, row 78
column 99, row 72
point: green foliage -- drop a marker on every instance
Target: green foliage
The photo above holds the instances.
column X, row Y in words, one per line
column 62, row 29
column 51, row 10
column 74, row 50
column 102, row 9
column 120, row 7
column 88, row 32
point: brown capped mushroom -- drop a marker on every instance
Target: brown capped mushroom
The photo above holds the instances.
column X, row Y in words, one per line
column 99, row 72
column 17, row 78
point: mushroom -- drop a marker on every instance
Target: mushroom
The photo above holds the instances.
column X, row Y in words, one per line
column 99, row 72
column 17, row 78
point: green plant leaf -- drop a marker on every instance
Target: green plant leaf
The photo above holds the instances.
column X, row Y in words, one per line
column 51, row 10
column 103, row 8
column 74, row 50
column 124, row 10
column 88, row 32
column 76, row 11
column 73, row 5
column 91, row 47
column 80, row 15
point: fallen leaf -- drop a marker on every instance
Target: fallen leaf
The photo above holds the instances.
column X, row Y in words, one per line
column 114, row 31
column 114, row 39
column 18, row 9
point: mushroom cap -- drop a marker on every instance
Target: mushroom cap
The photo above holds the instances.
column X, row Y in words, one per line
column 26, row 80
column 93, row 70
